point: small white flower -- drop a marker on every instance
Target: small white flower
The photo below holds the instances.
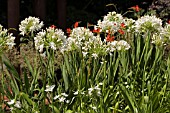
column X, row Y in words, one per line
column 56, row 97
column 100, row 83
column 95, row 55
column 11, row 102
column 98, row 93
column 61, row 99
column 90, row 91
column 67, row 101
column 18, row 104
column 94, row 108
column 97, row 88
column 41, row 48
column 76, row 93
column 84, row 54
column 49, row 88
column 64, row 94
column 52, row 45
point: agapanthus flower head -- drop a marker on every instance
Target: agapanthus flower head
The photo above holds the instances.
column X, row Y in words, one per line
column 158, row 39
column 112, row 22
column 78, row 37
column 120, row 45
column 49, row 38
column 165, row 34
column 129, row 24
column 147, row 24
column 82, row 39
column 30, row 24
column 6, row 39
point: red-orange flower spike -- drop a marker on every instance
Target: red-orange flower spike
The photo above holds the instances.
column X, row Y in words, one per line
column 136, row 8
column 76, row 24
column 109, row 38
column 68, row 30
column 121, row 31
column 96, row 30
column 53, row 26
column 122, row 25
column 168, row 21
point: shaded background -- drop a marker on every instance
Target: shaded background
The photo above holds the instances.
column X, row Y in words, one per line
column 79, row 10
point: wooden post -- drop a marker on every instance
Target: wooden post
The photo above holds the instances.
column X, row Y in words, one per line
column 13, row 17
column 61, row 14
column 39, row 9
column 13, row 22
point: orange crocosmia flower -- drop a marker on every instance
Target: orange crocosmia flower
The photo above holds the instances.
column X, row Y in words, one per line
column 76, row 24
column 121, row 31
column 168, row 21
column 136, row 8
column 96, row 30
column 109, row 38
column 68, row 30
column 53, row 26
column 122, row 25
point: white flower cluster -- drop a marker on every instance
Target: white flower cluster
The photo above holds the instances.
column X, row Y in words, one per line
column 166, row 31
column 6, row 39
column 129, row 23
column 49, row 88
column 49, row 38
column 30, row 24
column 96, row 89
column 61, row 97
column 111, row 22
column 147, row 24
column 83, row 39
column 14, row 103
column 163, row 37
column 118, row 45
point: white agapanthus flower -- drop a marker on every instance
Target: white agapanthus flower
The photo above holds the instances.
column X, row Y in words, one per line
column 94, row 55
column 6, row 39
column 52, row 45
column 49, row 88
column 129, row 23
column 83, row 40
column 76, row 93
column 118, row 45
column 50, row 38
column 147, row 24
column 166, row 32
column 78, row 38
column 122, row 45
column 16, row 104
column 11, row 102
column 30, row 24
column 90, row 91
column 111, row 22
column 61, row 97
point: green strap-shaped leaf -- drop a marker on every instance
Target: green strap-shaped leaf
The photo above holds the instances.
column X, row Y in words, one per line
column 127, row 98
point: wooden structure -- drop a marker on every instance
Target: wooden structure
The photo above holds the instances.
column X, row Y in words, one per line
column 39, row 10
